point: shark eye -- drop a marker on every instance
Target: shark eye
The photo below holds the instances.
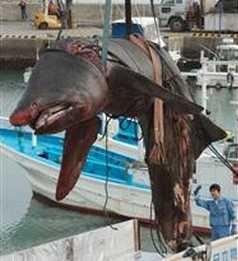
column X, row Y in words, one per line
column 34, row 105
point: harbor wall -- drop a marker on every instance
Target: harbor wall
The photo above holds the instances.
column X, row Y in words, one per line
column 19, row 46
column 19, row 53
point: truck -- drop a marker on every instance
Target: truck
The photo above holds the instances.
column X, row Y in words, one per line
column 179, row 15
column 209, row 15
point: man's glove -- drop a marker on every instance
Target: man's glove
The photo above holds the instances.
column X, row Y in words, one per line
column 196, row 191
column 234, row 229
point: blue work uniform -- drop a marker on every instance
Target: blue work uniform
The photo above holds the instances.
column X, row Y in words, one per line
column 222, row 213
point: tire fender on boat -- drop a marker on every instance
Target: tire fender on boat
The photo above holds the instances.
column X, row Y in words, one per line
column 218, row 86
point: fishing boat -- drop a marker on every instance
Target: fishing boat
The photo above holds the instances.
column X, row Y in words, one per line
column 221, row 69
column 116, row 175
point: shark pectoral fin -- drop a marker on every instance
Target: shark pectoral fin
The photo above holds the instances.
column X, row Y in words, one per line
column 204, row 132
column 78, row 141
column 123, row 76
column 213, row 131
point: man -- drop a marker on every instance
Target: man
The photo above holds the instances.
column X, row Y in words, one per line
column 22, row 5
column 53, row 9
column 222, row 212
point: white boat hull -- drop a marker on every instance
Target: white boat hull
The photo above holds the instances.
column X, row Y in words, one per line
column 89, row 193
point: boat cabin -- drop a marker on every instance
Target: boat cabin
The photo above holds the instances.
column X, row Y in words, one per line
column 227, row 50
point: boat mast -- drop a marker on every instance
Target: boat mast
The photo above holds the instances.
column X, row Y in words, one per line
column 235, row 103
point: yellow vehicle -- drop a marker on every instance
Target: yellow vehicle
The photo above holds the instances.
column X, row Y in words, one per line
column 45, row 21
column 48, row 18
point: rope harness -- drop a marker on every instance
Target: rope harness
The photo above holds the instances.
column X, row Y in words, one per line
column 87, row 51
column 157, row 154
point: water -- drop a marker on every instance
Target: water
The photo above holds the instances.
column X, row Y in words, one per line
column 220, row 104
column 25, row 222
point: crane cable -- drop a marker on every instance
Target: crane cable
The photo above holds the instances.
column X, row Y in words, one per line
column 222, row 159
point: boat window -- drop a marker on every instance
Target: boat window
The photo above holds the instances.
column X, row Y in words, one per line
column 236, row 54
column 179, row 1
column 216, row 257
column 231, row 69
column 228, row 54
column 221, row 68
column 210, row 68
column 44, row 155
column 234, row 253
column 168, row 2
column 225, row 256
column 232, row 152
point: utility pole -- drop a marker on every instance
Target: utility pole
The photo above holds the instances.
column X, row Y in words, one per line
column 69, row 13
column 128, row 17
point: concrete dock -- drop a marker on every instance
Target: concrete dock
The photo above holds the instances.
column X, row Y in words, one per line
column 20, row 41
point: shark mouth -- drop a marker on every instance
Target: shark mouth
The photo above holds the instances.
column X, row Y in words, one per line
column 51, row 119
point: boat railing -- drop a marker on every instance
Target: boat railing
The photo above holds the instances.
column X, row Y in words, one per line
column 113, row 131
column 222, row 249
column 217, row 66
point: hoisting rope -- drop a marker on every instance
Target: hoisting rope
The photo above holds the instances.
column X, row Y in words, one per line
column 107, row 174
column 157, row 154
column 161, row 249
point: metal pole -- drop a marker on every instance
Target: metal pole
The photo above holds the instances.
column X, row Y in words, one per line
column 202, row 76
column 235, row 103
column 220, row 15
column 46, row 7
column 204, row 96
column 128, row 17
column 106, row 30
column 33, row 140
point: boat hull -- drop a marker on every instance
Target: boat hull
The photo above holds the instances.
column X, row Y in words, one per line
column 89, row 193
